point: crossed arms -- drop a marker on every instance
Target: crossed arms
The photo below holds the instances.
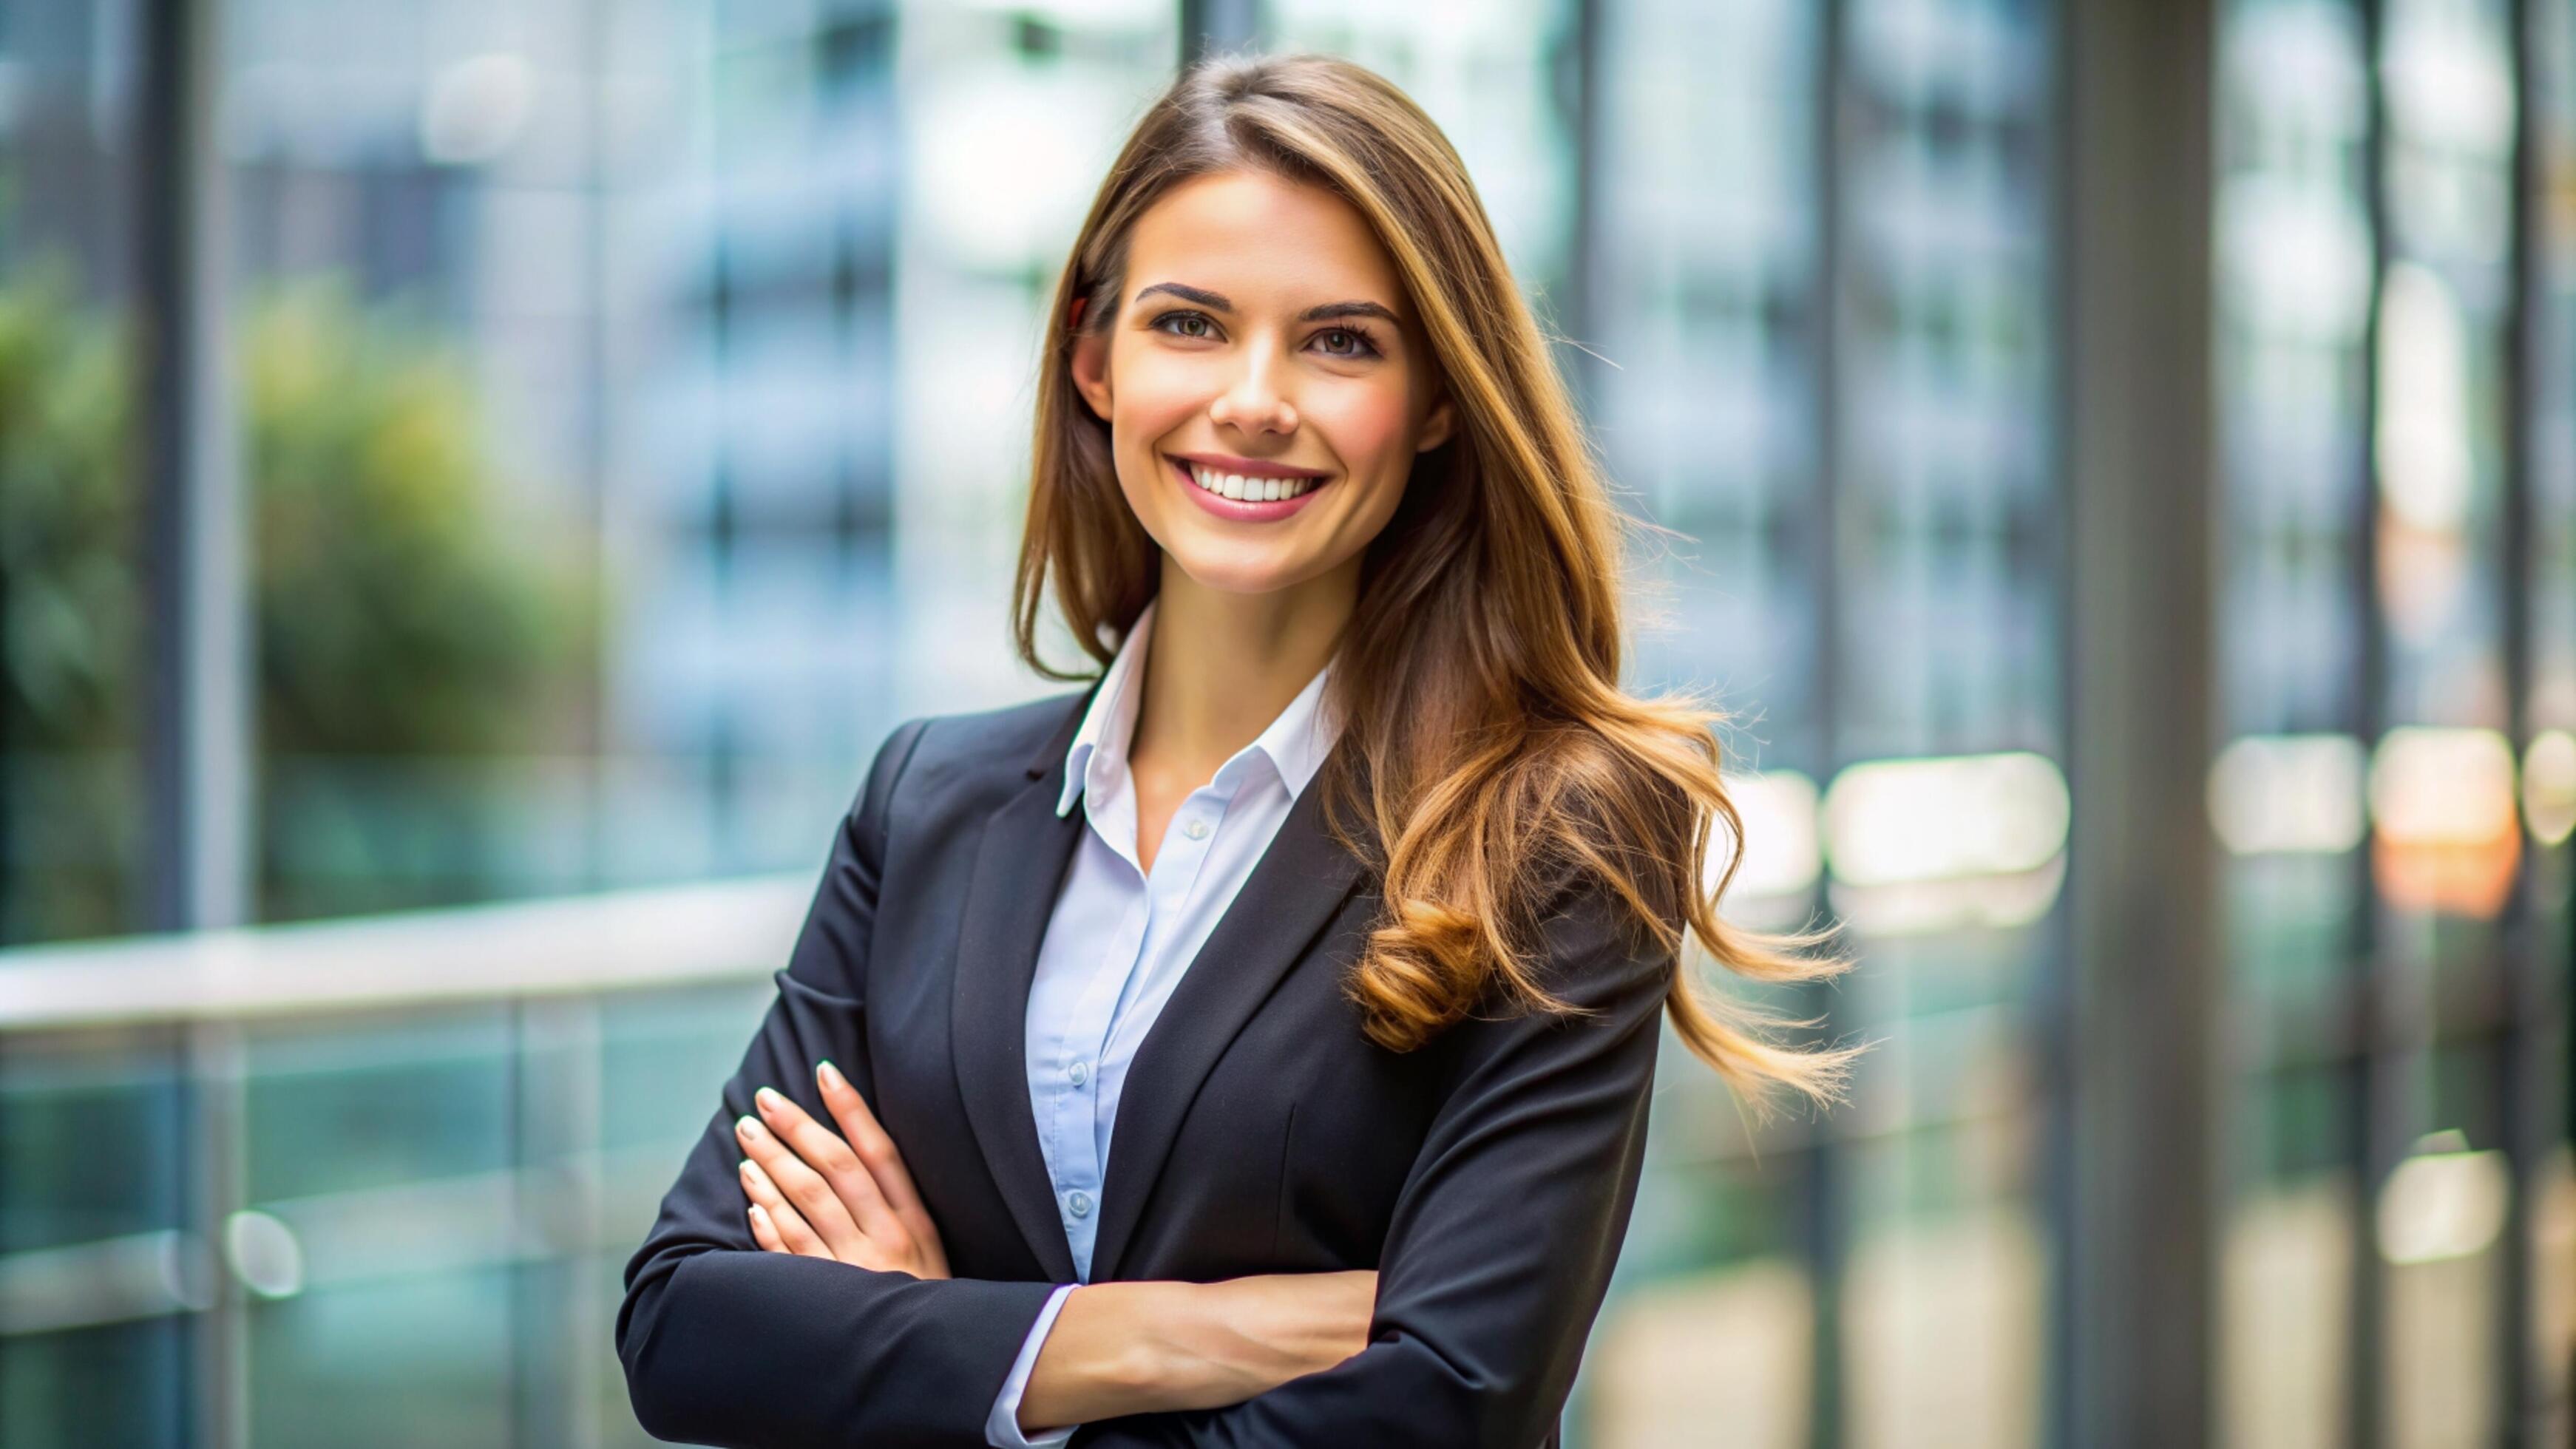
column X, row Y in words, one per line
column 1496, row 1260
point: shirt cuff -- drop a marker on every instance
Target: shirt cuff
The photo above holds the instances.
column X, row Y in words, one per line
column 1002, row 1426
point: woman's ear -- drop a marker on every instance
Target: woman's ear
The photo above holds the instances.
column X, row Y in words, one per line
column 1438, row 424
column 1090, row 362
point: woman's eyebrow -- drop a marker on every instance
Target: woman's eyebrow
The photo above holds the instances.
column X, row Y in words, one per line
column 1319, row 313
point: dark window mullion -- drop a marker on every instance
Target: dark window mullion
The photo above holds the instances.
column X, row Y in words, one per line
column 1824, row 1186
column 2525, row 1063
column 2377, row 1142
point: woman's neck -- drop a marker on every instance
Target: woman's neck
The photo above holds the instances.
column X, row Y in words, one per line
column 1220, row 666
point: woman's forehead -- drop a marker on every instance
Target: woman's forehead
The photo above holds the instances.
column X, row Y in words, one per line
column 1261, row 241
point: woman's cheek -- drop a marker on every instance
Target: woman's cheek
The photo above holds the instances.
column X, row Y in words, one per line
column 1158, row 390
column 1365, row 427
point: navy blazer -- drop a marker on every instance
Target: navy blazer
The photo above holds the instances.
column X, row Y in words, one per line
column 1488, row 1177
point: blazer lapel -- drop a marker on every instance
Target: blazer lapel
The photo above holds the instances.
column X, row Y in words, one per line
column 1019, row 867
column 1291, row 895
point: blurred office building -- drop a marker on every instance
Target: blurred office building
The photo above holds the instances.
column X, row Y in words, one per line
column 478, row 478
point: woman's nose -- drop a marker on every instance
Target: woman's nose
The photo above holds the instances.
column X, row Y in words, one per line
column 1255, row 402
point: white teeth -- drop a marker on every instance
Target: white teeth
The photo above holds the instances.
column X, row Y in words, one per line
column 1247, row 489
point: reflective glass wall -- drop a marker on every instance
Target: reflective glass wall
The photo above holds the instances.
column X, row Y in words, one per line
column 2294, row 260
column 1946, row 707
column 1821, row 304
column 1710, row 290
column 2391, row 797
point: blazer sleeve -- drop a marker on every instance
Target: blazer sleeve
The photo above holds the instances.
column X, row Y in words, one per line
column 1499, row 1252
column 726, row 1344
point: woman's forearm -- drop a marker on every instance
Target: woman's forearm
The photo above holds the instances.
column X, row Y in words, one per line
column 1135, row 1348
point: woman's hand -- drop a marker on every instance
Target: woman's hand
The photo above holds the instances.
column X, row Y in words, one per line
column 815, row 1193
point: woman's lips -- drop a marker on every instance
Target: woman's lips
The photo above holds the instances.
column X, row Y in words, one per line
column 1242, row 510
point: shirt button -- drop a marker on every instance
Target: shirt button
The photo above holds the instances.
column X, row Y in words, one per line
column 1080, row 1073
column 1195, row 830
column 1080, row 1202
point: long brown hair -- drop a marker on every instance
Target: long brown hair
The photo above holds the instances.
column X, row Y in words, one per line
column 1489, row 746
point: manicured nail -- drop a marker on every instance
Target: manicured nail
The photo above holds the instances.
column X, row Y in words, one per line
column 831, row 1076
column 769, row 1100
column 749, row 1127
column 760, row 1212
column 747, row 1169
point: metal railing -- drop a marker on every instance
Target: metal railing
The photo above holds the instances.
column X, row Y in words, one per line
column 546, row 1182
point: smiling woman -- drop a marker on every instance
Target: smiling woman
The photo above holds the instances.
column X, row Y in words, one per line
column 1356, row 950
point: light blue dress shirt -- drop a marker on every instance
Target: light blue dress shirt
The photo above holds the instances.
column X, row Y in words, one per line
column 1120, row 939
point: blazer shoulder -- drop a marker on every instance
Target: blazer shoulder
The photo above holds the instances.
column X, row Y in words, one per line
column 982, row 757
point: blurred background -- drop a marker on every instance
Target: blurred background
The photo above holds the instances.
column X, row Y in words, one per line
column 479, row 477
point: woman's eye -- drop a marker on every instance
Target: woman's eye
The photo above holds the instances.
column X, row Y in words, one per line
column 1343, row 342
column 1185, row 324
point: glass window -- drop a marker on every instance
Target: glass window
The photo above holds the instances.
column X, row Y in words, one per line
column 71, row 783
column 2293, row 264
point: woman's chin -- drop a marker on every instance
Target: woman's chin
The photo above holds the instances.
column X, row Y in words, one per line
column 1245, row 570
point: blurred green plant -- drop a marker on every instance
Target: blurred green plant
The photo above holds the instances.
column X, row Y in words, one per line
column 397, row 613
column 69, row 821
column 68, row 600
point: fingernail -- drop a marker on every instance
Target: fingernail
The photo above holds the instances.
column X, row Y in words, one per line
column 746, row 1168
column 768, row 1099
column 760, row 1212
column 831, row 1075
column 749, row 1127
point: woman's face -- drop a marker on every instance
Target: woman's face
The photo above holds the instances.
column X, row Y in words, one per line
column 1265, row 381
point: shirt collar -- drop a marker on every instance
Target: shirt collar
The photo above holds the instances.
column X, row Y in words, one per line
column 1295, row 743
